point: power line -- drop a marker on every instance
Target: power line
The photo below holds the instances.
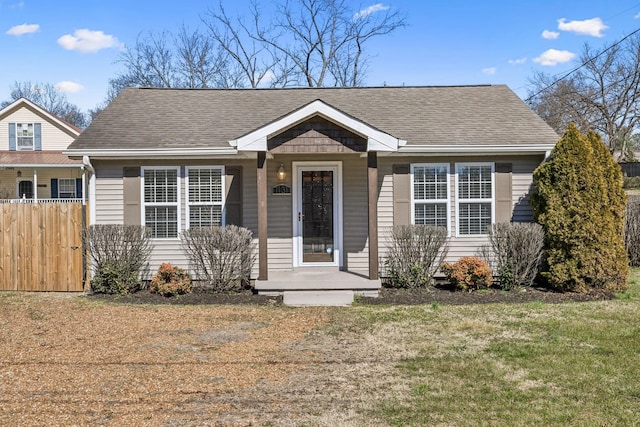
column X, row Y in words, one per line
column 581, row 65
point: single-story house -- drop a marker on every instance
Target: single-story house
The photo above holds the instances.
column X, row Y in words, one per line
column 320, row 175
column 32, row 166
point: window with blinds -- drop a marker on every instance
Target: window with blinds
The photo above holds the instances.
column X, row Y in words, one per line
column 205, row 190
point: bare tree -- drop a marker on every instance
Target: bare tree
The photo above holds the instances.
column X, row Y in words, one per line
column 304, row 43
column 48, row 97
column 603, row 94
column 311, row 43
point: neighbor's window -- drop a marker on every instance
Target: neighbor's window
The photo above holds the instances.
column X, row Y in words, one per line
column 205, row 191
column 67, row 188
column 430, row 194
column 161, row 201
column 474, row 197
column 24, row 136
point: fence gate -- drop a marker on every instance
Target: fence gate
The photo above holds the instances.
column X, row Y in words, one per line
column 41, row 247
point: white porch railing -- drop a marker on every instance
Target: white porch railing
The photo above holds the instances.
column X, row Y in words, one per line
column 25, row 200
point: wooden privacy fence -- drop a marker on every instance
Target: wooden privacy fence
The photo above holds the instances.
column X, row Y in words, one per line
column 41, row 246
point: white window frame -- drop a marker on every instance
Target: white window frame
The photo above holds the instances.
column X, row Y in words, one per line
column 189, row 203
column 177, row 203
column 33, row 137
column 492, row 200
column 446, row 201
column 73, row 186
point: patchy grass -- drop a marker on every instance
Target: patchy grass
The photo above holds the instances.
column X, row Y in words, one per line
column 104, row 363
column 535, row 364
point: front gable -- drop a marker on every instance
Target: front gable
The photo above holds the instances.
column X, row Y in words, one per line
column 317, row 112
column 43, row 130
column 317, row 135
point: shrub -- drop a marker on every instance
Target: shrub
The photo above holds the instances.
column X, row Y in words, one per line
column 632, row 231
column 221, row 257
column 119, row 253
column 170, row 281
column 631, row 182
column 515, row 251
column 468, row 273
column 414, row 255
column 580, row 204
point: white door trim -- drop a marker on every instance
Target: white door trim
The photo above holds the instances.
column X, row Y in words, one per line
column 298, row 167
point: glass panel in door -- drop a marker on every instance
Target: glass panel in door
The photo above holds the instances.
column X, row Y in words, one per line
column 317, row 216
column 25, row 189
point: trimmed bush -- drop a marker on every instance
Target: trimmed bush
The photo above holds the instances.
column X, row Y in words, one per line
column 119, row 254
column 515, row 251
column 170, row 281
column 221, row 257
column 632, row 231
column 468, row 273
column 631, row 182
column 414, row 255
column 580, row 204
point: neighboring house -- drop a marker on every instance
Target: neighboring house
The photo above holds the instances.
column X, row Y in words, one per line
column 319, row 175
column 32, row 166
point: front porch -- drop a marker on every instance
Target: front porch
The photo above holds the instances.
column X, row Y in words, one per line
column 317, row 286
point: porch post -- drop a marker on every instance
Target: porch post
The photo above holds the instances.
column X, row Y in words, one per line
column 35, row 186
column 263, row 267
column 372, row 183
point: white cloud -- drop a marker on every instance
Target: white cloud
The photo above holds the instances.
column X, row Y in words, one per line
column 550, row 35
column 87, row 41
column 518, row 61
column 589, row 27
column 490, row 71
column 370, row 10
column 68, row 87
column 266, row 79
column 553, row 57
column 19, row 30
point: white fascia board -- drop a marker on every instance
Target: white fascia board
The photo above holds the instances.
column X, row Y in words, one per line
column 155, row 153
column 474, row 150
column 257, row 140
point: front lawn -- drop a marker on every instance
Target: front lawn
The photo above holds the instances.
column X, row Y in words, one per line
column 68, row 360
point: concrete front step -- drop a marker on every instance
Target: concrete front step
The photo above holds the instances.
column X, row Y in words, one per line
column 317, row 298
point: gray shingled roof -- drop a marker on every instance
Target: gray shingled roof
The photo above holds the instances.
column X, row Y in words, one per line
column 148, row 118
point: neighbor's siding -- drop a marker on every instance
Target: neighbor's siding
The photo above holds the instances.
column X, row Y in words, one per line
column 52, row 137
column 9, row 180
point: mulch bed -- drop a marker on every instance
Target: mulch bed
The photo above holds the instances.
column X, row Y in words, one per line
column 438, row 294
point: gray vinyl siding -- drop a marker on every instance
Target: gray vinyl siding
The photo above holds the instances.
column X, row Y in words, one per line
column 279, row 220
column 522, row 188
column 522, row 178
column 355, row 215
column 280, row 209
column 109, row 205
column 109, row 201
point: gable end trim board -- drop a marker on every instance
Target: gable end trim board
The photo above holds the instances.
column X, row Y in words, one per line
column 257, row 139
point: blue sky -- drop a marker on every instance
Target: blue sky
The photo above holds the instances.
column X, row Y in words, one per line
column 75, row 44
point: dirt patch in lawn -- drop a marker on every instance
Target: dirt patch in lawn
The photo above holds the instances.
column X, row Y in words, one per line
column 189, row 361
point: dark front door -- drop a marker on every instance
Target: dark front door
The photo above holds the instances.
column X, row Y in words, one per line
column 317, row 216
column 25, row 189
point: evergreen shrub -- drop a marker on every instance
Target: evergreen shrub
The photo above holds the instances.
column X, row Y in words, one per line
column 580, row 203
